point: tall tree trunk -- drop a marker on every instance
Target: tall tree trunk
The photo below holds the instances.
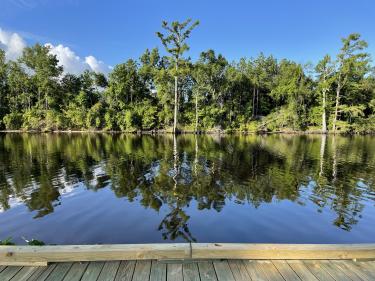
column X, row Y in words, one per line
column 324, row 117
column 257, row 104
column 175, row 104
column 254, row 101
column 196, row 113
column 338, row 90
column 46, row 101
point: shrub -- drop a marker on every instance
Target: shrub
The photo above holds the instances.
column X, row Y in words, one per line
column 33, row 119
column 13, row 121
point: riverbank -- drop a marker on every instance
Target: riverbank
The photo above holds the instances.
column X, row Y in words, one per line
column 203, row 132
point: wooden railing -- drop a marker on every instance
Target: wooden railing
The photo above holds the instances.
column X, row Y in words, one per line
column 41, row 255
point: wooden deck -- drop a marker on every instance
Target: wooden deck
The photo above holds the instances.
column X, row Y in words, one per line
column 213, row 270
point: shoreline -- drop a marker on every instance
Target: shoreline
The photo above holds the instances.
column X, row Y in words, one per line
column 187, row 132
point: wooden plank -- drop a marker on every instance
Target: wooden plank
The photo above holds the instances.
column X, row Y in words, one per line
column 238, row 270
column 174, row 272
column 362, row 267
column 334, row 272
column 71, row 253
column 76, row 271
column 190, row 271
column 223, row 271
column 368, row 265
column 270, row 271
column 363, row 274
column 207, row 271
column 24, row 273
column 158, row 271
column 285, row 270
column 109, row 271
column 282, row 251
column 24, row 263
column 302, row 271
column 125, row 271
column 59, row 272
column 142, row 271
column 9, row 272
column 342, row 268
column 255, row 271
column 92, row 271
column 42, row 273
column 318, row 271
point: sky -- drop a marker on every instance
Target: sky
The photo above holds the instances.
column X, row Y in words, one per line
column 100, row 34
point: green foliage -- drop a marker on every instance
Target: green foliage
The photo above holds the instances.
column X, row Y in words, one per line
column 249, row 95
column 7, row 242
column 13, row 121
column 33, row 119
column 34, row 242
column 94, row 116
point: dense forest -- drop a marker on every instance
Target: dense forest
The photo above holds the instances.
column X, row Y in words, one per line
column 172, row 93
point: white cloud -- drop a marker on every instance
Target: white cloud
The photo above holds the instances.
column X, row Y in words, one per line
column 73, row 63
column 67, row 58
column 12, row 44
column 97, row 65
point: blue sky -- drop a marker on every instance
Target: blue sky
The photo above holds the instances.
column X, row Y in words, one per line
column 113, row 31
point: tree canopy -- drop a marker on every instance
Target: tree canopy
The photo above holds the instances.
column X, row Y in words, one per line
column 260, row 94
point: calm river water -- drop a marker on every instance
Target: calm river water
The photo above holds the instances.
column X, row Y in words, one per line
column 102, row 188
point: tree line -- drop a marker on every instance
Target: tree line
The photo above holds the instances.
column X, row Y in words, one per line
column 173, row 93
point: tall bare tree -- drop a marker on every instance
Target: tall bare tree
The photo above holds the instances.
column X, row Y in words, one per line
column 174, row 41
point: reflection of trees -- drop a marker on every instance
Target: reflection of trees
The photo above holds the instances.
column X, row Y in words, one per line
column 163, row 170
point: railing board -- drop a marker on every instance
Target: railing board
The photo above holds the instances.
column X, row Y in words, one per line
column 40, row 255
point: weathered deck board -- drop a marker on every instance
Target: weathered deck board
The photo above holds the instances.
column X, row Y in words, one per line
column 24, row 273
column 191, row 272
column 9, row 272
column 270, row 271
column 340, row 267
column 223, row 271
column 207, row 271
column 317, row 270
column 334, row 271
column 76, row 271
column 302, row 271
column 254, row 270
column 109, row 271
column 363, row 274
column 142, row 271
column 125, row 271
column 158, row 271
column 285, row 270
column 238, row 270
column 59, row 272
column 92, row 271
column 211, row 270
column 174, row 272
column 42, row 273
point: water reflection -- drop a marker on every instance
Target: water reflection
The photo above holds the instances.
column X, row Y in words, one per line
column 334, row 173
